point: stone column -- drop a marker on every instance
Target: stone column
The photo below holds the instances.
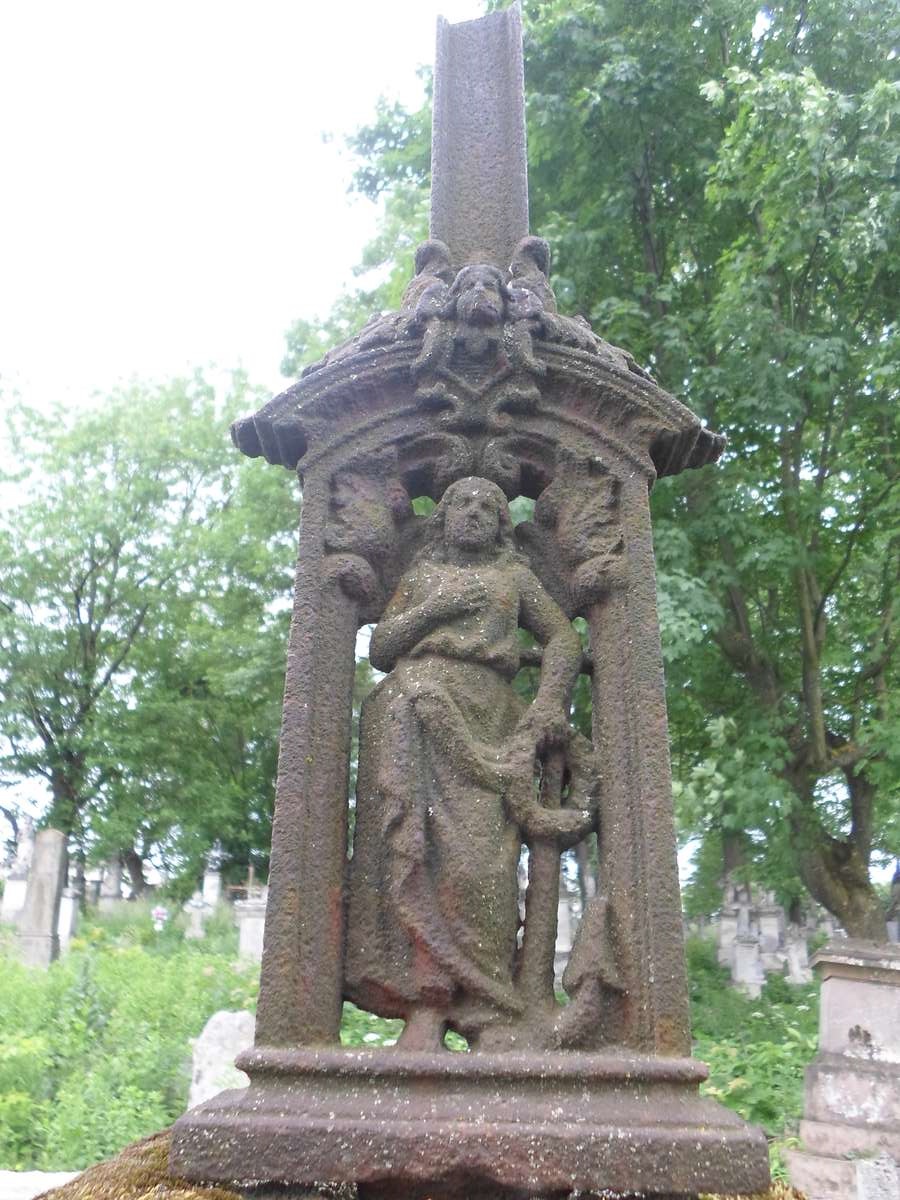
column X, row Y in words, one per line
column 250, row 915
column 38, row 924
column 852, row 1109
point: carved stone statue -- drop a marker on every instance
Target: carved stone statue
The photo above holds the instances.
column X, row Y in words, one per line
column 433, row 915
column 477, row 391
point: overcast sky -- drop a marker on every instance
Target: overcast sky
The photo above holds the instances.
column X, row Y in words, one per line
column 174, row 178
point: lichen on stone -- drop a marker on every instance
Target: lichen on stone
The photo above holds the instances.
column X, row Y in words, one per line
column 141, row 1172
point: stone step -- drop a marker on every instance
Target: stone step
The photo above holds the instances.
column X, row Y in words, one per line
column 820, row 1177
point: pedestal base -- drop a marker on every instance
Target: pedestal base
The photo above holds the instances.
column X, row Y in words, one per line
column 400, row 1124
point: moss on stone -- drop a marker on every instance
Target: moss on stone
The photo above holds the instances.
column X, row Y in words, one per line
column 141, row 1172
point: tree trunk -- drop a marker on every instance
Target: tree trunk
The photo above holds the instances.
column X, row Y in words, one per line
column 135, row 867
column 835, row 870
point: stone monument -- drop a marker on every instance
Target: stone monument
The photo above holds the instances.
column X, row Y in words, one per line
column 16, row 884
column 852, row 1108
column 39, row 920
column 476, row 392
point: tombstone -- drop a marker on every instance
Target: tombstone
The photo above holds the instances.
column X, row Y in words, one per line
column 747, row 972
column 477, row 391
column 852, row 1105
column 250, row 916
column 770, row 918
column 799, row 971
column 212, row 877
column 727, row 931
column 196, row 912
column 111, row 886
column 69, row 911
column 225, row 1035
column 39, row 920
column 16, row 884
column 893, row 929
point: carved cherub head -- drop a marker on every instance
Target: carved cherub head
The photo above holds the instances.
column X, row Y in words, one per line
column 478, row 296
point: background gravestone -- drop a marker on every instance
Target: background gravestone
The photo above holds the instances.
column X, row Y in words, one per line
column 39, row 921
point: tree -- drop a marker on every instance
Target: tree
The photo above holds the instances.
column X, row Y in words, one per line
column 143, row 599
column 718, row 182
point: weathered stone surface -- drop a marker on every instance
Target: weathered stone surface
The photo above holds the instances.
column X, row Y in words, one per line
column 479, row 187
column 38, row 935
column 224, row 1036
column 853, row 1085
column 250, row 916
column 140, row 1172
column 877, row 1179
column 111, row 886
column 69, row 911
column 475, row 392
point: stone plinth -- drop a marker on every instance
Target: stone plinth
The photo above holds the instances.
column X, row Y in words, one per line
column 250, row 916
column 518, row 1122
column 853, row 1085
column 38, row 924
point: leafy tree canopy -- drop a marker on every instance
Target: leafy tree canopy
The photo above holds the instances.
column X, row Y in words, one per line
column 718, row 181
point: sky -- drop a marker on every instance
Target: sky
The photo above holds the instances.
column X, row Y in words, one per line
column 173, row 178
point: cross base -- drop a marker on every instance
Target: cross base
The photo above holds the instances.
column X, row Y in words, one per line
column 404, row 1125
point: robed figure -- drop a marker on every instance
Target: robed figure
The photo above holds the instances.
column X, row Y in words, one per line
column 446, row 776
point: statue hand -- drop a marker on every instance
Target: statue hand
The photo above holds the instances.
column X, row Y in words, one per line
column 545, row 725
column 454, row 601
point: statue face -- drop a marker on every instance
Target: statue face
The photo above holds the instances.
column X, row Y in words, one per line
column 472, row 519
column 480, row 299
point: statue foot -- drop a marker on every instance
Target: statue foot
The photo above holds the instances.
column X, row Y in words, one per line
column 424, row 1030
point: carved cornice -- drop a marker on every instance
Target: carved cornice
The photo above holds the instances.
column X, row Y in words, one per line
column 476, row 355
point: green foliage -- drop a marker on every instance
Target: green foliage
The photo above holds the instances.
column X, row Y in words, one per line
column 95, row 1051
column 757, row 1050
column 143, row 600
column 719, row 187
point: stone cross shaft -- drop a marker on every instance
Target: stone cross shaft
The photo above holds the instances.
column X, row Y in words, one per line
column 479, row 170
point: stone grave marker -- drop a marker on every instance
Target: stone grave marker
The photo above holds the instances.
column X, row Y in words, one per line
column 110, row 886
column 212, row 877
column 224, row 1036
column 475, row 392
column 16, row 884
column 39, row 920
column 852, row 1106
column 69, row 911
column 250, row 916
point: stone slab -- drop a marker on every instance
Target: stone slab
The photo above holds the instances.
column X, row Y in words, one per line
column 840, row 1138
column 26, row 1185
column 545, row 1122
column 821, row 1177
column 857, row 1092
column 224, row 1036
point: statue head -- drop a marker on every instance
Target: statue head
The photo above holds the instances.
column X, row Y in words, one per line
column 478, row 296
column 473, row 516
